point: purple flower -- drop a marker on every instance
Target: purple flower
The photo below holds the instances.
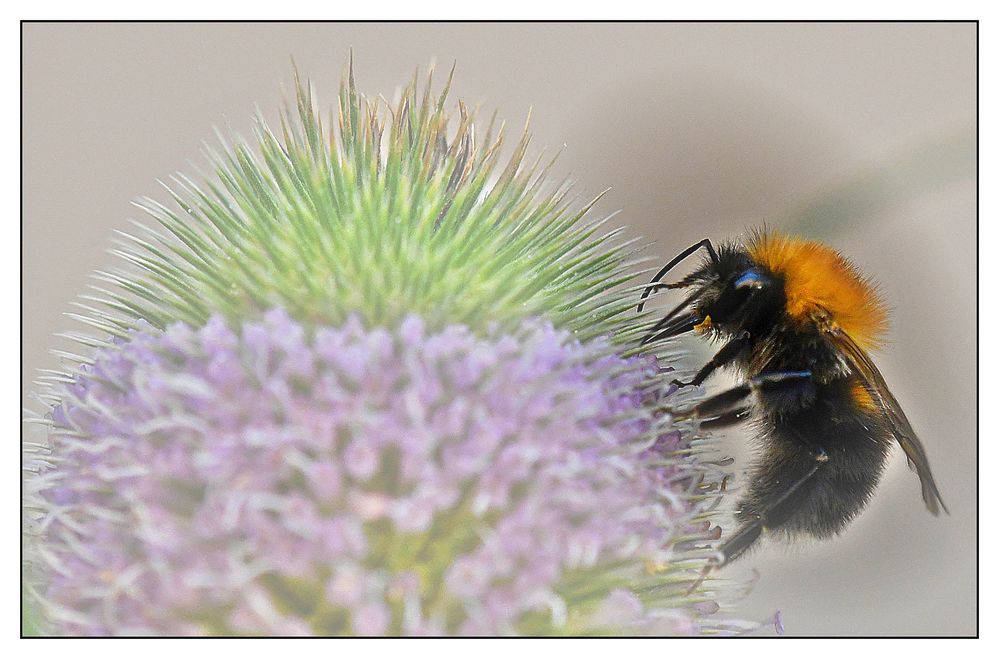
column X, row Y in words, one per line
column 272, row 479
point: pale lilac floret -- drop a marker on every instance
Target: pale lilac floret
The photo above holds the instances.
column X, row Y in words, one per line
column 278, row 480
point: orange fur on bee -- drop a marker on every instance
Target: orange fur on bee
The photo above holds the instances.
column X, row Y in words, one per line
column 862, row 396
column 818, row 277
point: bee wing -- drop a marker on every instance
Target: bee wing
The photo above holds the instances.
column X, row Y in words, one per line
column 864, row 368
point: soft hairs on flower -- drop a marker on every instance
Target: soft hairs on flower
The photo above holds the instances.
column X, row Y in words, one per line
column 269, row 479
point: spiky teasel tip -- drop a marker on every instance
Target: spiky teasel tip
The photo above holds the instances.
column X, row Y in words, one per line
column 381, row 211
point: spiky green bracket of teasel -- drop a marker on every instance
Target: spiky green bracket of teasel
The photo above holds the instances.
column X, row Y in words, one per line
column 396, row 210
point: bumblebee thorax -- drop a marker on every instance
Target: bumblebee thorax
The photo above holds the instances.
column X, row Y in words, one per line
column 819, row 282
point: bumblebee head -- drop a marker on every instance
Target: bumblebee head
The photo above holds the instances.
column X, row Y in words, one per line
column 730, row 293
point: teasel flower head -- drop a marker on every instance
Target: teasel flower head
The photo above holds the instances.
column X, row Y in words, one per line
column 368, row 379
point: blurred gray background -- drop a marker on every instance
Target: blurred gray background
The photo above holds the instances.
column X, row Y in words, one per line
column 859, row 134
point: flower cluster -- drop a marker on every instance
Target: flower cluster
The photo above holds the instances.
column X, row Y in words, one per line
column 271, row 479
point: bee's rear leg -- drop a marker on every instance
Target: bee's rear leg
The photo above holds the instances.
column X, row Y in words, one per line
column 737, row 543
column 774, row 512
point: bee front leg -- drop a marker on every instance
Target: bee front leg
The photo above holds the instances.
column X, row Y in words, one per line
column 728, row 352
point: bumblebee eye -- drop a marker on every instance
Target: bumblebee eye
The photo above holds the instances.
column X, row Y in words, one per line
column 749, row 279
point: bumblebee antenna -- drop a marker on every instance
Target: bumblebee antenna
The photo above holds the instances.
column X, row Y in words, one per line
column 706, row 244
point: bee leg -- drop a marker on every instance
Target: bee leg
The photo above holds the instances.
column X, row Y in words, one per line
column 740, row 541
column 728, row 352
column 738, row 415
column 773, row 513
column 766, row 383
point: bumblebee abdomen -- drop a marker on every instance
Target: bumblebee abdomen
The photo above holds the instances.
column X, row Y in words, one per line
column 839, row 425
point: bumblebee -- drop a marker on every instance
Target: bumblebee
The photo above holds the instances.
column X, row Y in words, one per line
column 796, row 319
